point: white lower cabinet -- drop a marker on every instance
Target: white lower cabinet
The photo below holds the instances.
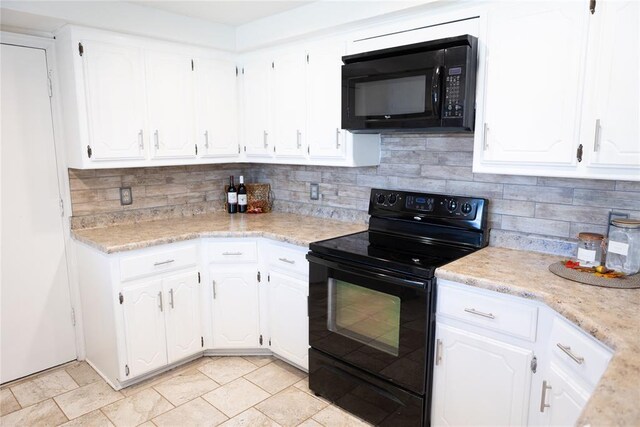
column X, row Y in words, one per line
column 183, row 322
column 561, row 399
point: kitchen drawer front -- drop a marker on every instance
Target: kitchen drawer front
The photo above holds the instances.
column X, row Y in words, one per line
column 288, row 259
column 577, row 351
column 157, row 262
column 496, row 312
column 232, row 252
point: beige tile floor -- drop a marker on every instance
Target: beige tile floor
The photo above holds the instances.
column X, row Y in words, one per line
column 227, row 391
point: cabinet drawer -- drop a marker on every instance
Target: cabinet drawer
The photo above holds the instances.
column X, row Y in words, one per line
column 288, row 259
column 496, row 312
column 577, row 351
column 132, row 267
column 232, row 252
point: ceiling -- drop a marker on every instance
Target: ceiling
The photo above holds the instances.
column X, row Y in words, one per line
column 229, row 12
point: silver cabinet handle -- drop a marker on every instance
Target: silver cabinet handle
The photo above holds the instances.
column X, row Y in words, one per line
column 485, row 134
column 480, row 313
column 578, row 359
column 141, row 139
column 288, row 261
column 337, row 137
column 265, row 137
column 160, row 305
column 156, row 138
column 438, row 351
column 298, row 138
column 169, row 261
column 171, row 298
column 213, row 282
column 596, row 142
column 231, row 253
column 543, row 398
column 206, row 138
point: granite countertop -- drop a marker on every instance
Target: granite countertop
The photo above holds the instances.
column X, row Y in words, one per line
column 291, row 228
column 610, row 315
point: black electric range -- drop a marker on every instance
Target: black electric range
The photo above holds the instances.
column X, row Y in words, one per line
column 372, row 303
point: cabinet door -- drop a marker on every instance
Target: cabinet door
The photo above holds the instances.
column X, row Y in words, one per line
column 144, row 327
column 564, row 398
column 170, row 105
column 114, row 87
column 184, row 328
column 236, row 319
column 288, row 318
column 256, row 117
column 479, row 381
column 216, row 102
column 290, row 101
column 612, row 127
column 325, row 136
column 533, row 83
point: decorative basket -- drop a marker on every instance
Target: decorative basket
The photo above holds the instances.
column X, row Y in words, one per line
column 259, row 198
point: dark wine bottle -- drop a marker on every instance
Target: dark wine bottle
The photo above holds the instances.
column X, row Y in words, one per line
column 242, row 196
column 232, row 197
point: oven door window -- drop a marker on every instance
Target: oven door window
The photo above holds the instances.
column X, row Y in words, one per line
column 397, row 96
column 364, row 315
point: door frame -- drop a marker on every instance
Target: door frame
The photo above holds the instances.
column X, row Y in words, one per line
column 48, row 45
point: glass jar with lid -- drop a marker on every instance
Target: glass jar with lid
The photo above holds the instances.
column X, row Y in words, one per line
column 589, row 249
column 623, row 248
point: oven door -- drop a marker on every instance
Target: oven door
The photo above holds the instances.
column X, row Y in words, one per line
column 371, row 320
column 393, row 93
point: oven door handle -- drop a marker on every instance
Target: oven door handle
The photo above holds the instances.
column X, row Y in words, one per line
column 366, row 383
column 409, row 283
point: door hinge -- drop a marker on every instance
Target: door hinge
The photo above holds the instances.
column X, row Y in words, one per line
column 236, row 71
column 238, row 148
column 534, row 364
column 198, row 277
column 579, row 153
column 202, row 341
column 268, row 277
column 80, row 49
column 73, row 317
column 126, row 370
column 192, row 67
column 308, row 149
column 274, row 148
column 259, row 276
column 61, row 207
column 269, row 342
column 245, row 148
column 307, row 58
column 260, row 339
column 89, row 151
column 120, row 298
column 273, row 64
column 196, row 149
column 243, row 71
column 592, row 6
column 50, row 84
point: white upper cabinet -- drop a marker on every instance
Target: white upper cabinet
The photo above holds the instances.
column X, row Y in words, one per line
column 258, row 138
column 114, row 85
column 290, row 101
column 170, row 105
column 612, row 110
column 216, row 108
column 326, row 138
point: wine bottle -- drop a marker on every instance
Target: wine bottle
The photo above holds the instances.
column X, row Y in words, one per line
column 232, row 197
column 242, row 196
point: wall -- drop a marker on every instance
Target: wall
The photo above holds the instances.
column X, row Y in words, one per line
column 524, row 211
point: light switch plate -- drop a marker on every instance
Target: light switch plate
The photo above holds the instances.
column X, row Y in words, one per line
column 314, row 191
column 126, row 197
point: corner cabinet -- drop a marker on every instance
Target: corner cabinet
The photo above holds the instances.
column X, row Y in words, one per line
column 554, row 102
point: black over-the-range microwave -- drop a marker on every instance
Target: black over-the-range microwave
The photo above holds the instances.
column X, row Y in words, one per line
column 427, row 87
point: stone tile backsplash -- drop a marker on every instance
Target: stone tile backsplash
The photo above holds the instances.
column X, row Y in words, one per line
column 540, row 213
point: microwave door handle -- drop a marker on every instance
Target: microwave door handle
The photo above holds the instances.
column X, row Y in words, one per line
column 435, row 91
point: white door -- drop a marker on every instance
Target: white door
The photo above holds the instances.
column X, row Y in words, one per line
column 289, row 98
column 288, row 318
column 184, row 327
column 144, row 326
column 216, row 100
column 236, row 321
column 170, row 105
column 564, row 398
column 612, row 127
column 533, row 83
column 35, row 321
column 479, row 381
column 114, row 87
column 256, row 108
column 325, row 136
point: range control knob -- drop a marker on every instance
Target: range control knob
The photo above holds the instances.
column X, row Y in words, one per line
column 466, row 208
column 452, row 205
column 380, row 198
column 392, row 199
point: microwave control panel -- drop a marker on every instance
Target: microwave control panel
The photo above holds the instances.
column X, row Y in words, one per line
column 454, row 92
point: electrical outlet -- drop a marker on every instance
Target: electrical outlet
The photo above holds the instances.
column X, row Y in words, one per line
column 314, row 191
column 126, row 197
